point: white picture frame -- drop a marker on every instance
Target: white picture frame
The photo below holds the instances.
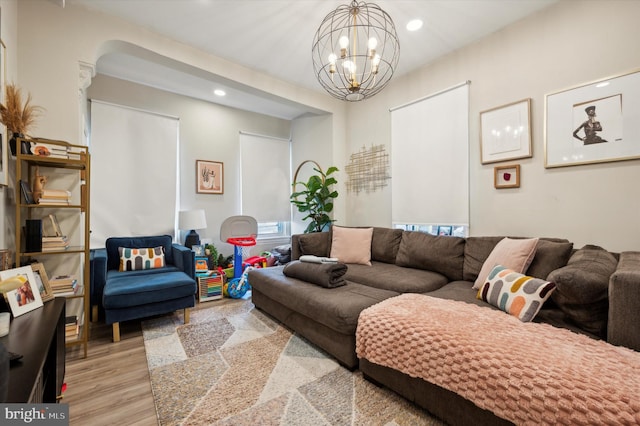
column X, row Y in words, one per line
column 505, row 132
column 574, row 137
column 24, row 296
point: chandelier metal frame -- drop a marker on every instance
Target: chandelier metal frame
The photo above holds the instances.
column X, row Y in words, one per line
column 355, row 51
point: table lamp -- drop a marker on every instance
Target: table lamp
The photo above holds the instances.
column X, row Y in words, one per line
column 192, row 220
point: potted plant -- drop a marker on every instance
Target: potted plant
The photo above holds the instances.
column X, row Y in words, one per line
column 316, row 200
column 17, row 117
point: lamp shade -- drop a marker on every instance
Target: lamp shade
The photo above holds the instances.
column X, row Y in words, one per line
column 192, row 219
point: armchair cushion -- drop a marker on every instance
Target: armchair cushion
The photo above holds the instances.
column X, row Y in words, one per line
column 136, row 288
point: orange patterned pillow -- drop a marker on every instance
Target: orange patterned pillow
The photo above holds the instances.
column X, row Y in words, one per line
column 514, row 293
column 134, row 259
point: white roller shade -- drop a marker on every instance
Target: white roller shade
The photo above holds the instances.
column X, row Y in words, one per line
column 430, row 159
column 134, row 172
column 266, row 177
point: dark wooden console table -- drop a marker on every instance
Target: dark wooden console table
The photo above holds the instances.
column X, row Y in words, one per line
column 39, row 336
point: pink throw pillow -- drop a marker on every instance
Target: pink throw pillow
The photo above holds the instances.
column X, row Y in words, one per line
column 512, row 254
column 351, row 245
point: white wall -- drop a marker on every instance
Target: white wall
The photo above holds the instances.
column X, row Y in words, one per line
column 49, row 68
column 207, row 132
column 560, row 47
column 568, row 44
column 9, row 35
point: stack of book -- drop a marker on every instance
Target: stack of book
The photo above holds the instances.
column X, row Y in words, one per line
column 71, row 327
column 54, row 243
column 64, row 285
column 45, row 149
column 55, row 197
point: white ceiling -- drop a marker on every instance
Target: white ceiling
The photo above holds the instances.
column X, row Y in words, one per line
column 275, row 37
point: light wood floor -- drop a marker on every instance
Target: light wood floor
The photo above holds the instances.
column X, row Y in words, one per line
column 111, row 386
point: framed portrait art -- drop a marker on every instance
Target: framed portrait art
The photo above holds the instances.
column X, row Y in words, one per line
column 209, row 177
column 20, row 290
column 595, row 122
column 505, row 132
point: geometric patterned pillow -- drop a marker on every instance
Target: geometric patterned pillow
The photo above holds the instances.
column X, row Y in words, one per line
column 134, row 259
column 515, row 293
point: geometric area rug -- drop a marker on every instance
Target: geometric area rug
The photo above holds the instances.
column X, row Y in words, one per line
column 233, row 365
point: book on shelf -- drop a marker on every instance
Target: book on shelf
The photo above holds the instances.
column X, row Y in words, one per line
column 64, row 285
column 55, row 196
column 26, row 192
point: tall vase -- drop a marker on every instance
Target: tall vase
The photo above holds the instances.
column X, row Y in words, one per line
column 13, row 142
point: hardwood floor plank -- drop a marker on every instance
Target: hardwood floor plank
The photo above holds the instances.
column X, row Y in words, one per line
column 112, row 385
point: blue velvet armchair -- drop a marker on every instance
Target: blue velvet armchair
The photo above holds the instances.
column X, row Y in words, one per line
column 128, row 295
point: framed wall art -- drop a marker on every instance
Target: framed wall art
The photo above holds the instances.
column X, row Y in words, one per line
column 595, row 122
column 209, row 177
column 20, row 290
column 505, row 132
column 506, row 176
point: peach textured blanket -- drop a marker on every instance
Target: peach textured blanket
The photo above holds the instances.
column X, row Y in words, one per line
column 527, row 373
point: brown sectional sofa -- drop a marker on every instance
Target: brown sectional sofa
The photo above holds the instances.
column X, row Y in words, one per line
column 598, row 294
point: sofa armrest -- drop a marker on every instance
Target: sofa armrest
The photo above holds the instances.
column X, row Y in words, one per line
column 97, row 275
column 624, row 302
column 184, row 259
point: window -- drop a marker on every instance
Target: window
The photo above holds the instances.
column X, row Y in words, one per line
column 430, row 160
column 125, row 199
column 265, row 164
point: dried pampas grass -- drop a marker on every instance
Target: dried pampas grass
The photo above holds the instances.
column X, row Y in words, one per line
column 18, row 118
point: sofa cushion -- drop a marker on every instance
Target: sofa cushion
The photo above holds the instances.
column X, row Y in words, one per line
column 133, row 259
column 351, row 245
column 385, row 244
column 550, row 255
column 315, row 243
column 113, row 243
column 395, row 278
column 337, row 308
column 442, row 254
column 514, row 293
column 516, row 254
column 135, row 288
column 582, row 288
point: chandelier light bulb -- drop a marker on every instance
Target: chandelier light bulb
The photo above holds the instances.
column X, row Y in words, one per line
column 344, row 42
column 373, row 43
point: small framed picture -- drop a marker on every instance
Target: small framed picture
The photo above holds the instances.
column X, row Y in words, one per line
column 20, row 290
column 42, row 282
column 198, row 249
column 445, row 230
column 506, row 176
column 209, row 177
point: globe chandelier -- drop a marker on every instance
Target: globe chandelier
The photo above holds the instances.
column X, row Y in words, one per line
column 355, row 51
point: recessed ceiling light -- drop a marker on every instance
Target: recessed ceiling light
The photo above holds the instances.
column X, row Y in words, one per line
column 414, row 25
column 219, row 92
